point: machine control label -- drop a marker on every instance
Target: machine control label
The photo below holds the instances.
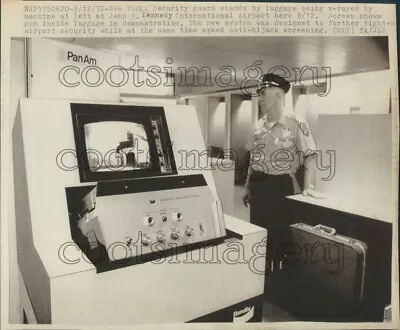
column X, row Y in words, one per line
column 179, row 197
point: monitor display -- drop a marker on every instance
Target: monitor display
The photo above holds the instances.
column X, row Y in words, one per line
column 116, row 142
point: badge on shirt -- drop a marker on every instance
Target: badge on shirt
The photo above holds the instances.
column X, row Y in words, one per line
column 287, row 143
column 304, row 129
column 285, row 133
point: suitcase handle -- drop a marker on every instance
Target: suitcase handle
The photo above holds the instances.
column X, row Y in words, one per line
column 326, row 229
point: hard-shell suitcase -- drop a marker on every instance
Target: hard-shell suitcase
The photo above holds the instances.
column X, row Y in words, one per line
column 326, row 273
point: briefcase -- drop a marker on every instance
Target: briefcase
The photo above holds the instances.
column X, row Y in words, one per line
column 325, row 272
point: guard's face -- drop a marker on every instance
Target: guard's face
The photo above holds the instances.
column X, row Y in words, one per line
column 272, row 102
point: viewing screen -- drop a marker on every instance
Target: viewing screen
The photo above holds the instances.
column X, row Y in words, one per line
column 121, row 142
column 128, row 143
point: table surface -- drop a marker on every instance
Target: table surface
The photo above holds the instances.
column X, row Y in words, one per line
column 377, row 212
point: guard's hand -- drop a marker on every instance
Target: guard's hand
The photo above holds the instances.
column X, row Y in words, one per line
column 246, row 199
column 313, row 193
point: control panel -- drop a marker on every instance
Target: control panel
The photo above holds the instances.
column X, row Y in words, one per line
column 169, row 226
column 139, row 217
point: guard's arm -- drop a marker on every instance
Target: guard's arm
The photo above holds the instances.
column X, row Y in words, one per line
column 248, row 178
column 249, row 147
column 306, row 145
column 247, row 195
column 310, row 164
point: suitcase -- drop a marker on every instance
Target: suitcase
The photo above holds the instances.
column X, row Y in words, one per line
column 325, row 272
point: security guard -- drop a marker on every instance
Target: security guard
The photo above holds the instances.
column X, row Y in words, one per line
column 279, row 145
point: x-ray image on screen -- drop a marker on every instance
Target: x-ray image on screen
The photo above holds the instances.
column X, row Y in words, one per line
column 116, row 145
column 116, row 142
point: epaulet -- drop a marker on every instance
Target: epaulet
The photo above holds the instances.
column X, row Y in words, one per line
column 259, row 124
column 298, row 118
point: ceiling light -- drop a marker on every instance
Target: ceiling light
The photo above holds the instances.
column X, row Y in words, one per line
column 124, row 48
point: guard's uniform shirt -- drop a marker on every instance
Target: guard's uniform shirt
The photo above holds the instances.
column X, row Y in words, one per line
column 280, row 147
column 277, row 149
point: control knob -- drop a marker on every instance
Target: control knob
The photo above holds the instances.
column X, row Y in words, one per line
column 189, row 231
column 175, row 235
column 161, row 237
column 146, row 240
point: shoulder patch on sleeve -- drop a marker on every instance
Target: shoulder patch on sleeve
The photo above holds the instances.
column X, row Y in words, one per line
column 302, row 123
column 304, row 128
